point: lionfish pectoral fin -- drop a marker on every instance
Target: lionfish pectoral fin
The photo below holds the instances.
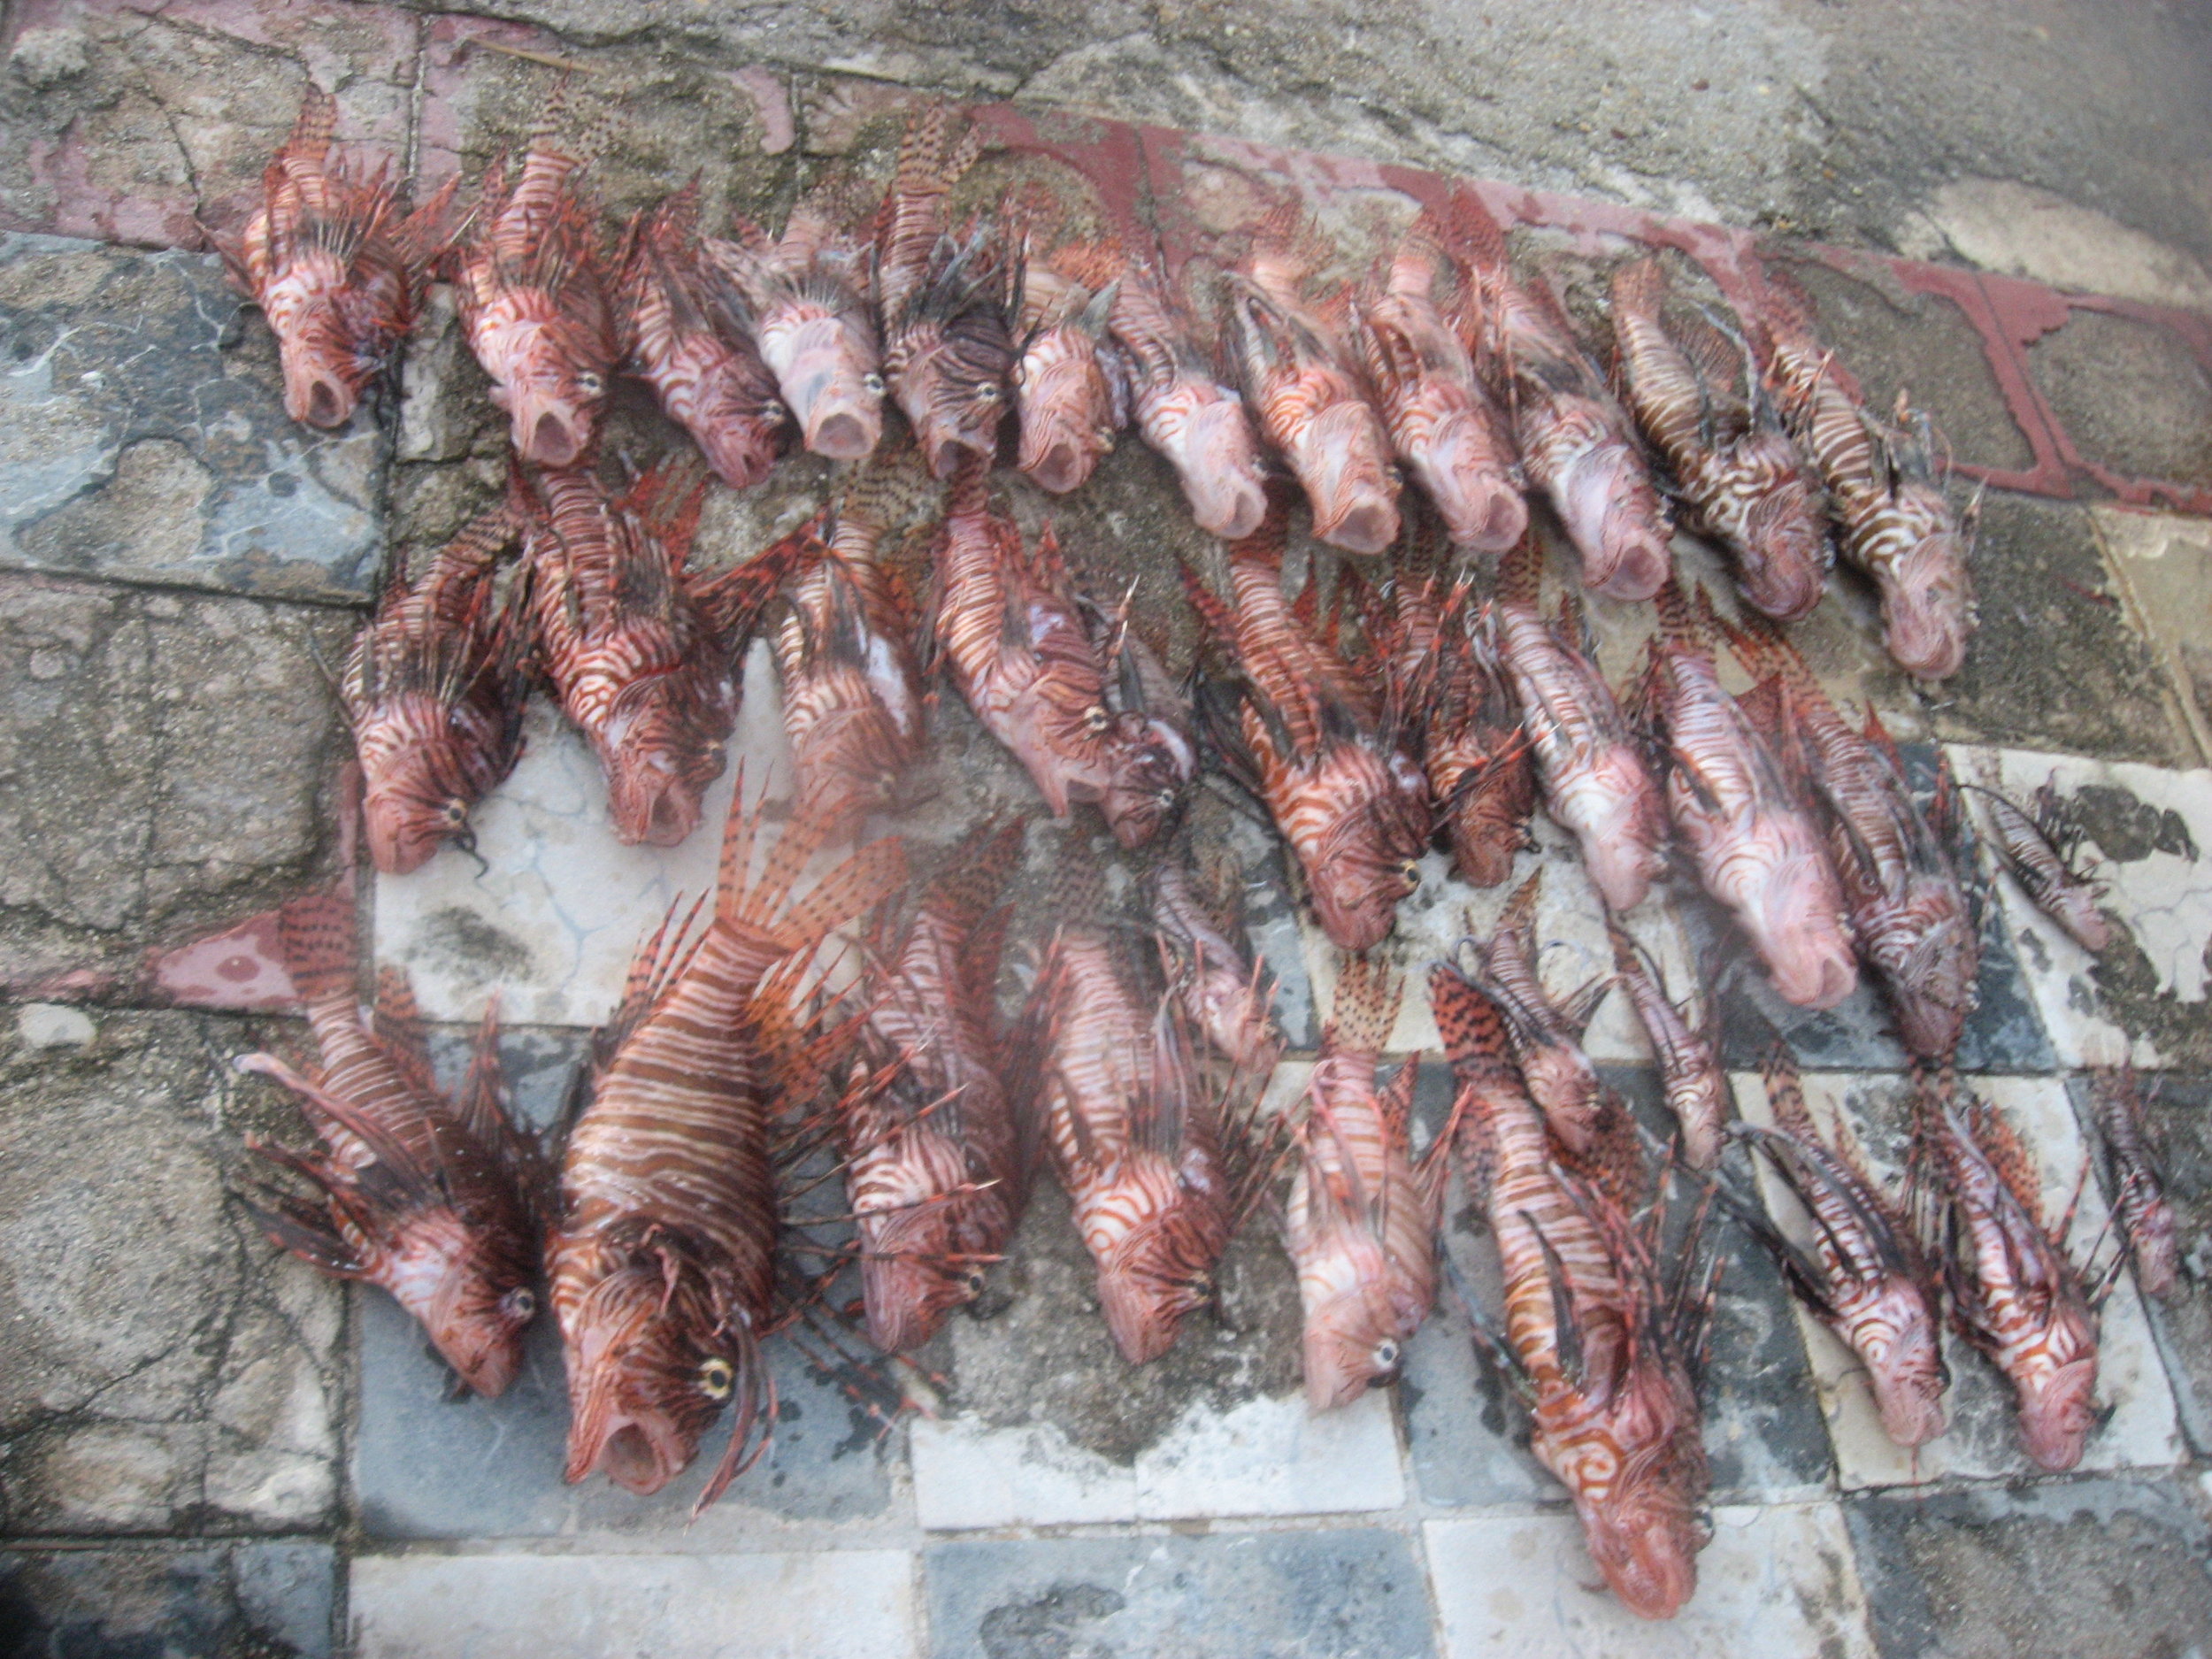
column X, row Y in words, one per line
column 743, row 1450
column 1566, row 1336
column 1578, row 1008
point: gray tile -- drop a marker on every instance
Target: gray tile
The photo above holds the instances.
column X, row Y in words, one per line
column 1352, row 1595
column 197, row 1601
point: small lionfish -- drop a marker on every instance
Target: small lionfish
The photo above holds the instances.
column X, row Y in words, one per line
column 1689, row 1064
column 2139, row 1191
column 2038, row 850
column 1227, row 998
column 1070, row 389
column 1546, row 1035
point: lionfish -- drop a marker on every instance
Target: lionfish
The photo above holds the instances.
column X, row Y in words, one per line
column 1442, row 420
column 1070, row 390
column 1076, row 695
column 947, row 329
column 1573, row 437
column 1361, row 1219
column 1596, row 783
column 1690, row 1075
column 334, row 266
column 1898, row 865
column 1601, row 1349
column 1757, row 851
column 1865, row 1276
column 2139, row 1191
column 811, row 296
column 436, row 1200
column 533, row 305
column 691, row 347
column 937, row 1163
column 1227, row 1000
column 1184, row 410
column 1545, row 1033
column 1296, row 359
column 661, row 1254
column 433, row 692
column 1697, row 395
column 1897, row 526
column 640, row 652
column 2040, row 850
column 1310, row 736
column 2013, row 1292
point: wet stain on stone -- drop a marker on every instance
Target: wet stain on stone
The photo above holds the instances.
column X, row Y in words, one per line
column 466, row 940
column 2127, row 829
column 1045, row 1628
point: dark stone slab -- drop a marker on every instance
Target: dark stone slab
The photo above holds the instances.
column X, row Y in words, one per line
column 2105, row 1567
column 195, row 1602
column 1351, row 1595
column 2132, row 395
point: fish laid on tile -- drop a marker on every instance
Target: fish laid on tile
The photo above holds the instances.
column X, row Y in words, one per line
column 1227, row 995
column 439, row 1200
column 1361, row 1219
column 682, row 338
column 2137, row 1189
column 1071, row 391
column 1594, row 780
column 334, row 264
column 1690, row 1074
column 1545, row 1033
column 1319, row 741
column 937, row 1164
column 1757, row 851
column 1602, row 1349
column 661, row 1254
column 1294, row 353
column 1885, row 489
column 1184, row 410
column 1076, row 694
column 433, row 692
column 2039, row 848
column 532, row 299
column 1698, row 394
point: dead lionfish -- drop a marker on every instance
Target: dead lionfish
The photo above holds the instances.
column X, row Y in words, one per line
column 945, row 301
column 937, row 1164
column 1897, row 526
column 2015, row 1292
column 1755, row 849
column 1312, row 737
column 435, row 1200
column 1898, row 865
column 533, row 305
column 810, row 297
column 1574, row 438
column 1546, row 1033
column 434, row 691
column 2040, row 851
column 2139, row 1191
column 1361, row 1216
column 640, row 653
column 1443, row 422
column 1076, row 695
column 1865, row 1277
column 685, row 340
column 1184, row 411
column 1696, row 1089
column 1603, row 1352
column 334, row 267
column 661, row 1253
column 1070, row 388
column 1594, row 780
column 1697, row 393
column 1296, row 360
column 1229, row 1001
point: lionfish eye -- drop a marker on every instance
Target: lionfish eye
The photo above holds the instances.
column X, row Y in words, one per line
column 774, row 414
column 989, row 391
column 1411, row 871
column 589, row 384
column 454, row 814
column 873, row 382
column 973, row 1280
column 1385, row 1354
column 717, row 1377
column 520, row 1303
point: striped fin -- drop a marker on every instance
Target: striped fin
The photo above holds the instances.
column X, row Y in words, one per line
column 315, row 939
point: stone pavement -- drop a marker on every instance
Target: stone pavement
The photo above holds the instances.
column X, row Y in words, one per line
column 207, row 1450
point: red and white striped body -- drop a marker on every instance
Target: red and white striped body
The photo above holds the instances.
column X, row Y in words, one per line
column 1183, row 410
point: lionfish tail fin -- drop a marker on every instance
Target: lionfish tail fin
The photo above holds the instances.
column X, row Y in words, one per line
column 1369, row 990
column 315, row 939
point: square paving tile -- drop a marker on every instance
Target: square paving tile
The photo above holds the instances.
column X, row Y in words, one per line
column 1350, row 1594
column 2164, row 565
column 201, row 1598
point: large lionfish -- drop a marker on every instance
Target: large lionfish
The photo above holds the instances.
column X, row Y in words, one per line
column 1361, row 1219
column 1698, row 395
column 948, row 342
column 1690, row 1075
column 1573, row 437
column 680, row 336
column 533, row 305
column 1315, row 740
column 1227, row 999
column 2139, row 1191
column 937, row 1162
column 433, row 692
column 436, row 1200
column 1184, row 411
column 1070, row 389
column 2038, row 849
column 1898, row 866
column 1299, row 371
column 1076, row 694
column 1601, row 1349
column 1865, row 1277
column 1757, row 851
column 336, row 269
column 662, row 1251
column 1596, row 783
column 1897, row 525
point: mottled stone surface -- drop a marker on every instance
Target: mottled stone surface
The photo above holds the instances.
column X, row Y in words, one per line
column 193, row 1601
column 2132, row 395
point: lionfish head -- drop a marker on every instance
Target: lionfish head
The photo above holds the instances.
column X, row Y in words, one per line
column 1372, row 859
column 1621, row 851
column 472, row 1295
column 826, row 367
column 1486, row 837
column 911, row 1274
column 954, row 393
column 1220, row 470
column 1801, row 936
column 739, row 434
column 1151, row 761
column 1784, row 567
column 2057, row 1412
column 1612, row 516
column 643, row 1384
column 1466, row 478
column 1908, row 1378
column 1163, row 1268
column 1066, row 414
column 1353, row 489
column 325, row 367
column 552, row 406
column 1351, row 1344
column 1235, row 1012
column 413, row 801
column 1927, row 608
column 658, row 765
column 1645, row 1542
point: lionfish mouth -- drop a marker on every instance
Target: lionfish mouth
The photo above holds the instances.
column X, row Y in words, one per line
column 1060, row 469
column 631, row 1453
column 841, row 435
column 324, row 403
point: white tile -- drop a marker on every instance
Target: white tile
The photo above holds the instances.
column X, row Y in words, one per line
column 1775, row 1580
column 825, row 1604
column 1983, row 1438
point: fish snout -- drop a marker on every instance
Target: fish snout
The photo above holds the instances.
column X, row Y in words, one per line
column 2056, row 1417
column 843, row 435
column 549, row 438
column 1813, row 968
column 1061, row 468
